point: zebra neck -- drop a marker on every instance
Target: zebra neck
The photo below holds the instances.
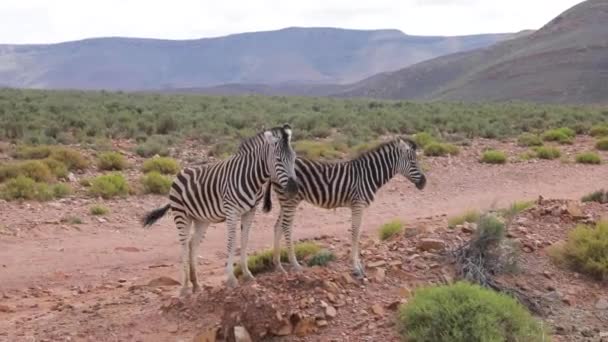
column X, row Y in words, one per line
column 255, row 163
column 377, row 167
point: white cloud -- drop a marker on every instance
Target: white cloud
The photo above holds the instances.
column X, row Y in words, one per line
column 42, row 21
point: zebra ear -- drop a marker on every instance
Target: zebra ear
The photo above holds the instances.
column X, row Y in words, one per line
column 270, row 137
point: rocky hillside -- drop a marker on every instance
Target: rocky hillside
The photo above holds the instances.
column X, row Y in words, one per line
column 566, row 61
column 291, row 55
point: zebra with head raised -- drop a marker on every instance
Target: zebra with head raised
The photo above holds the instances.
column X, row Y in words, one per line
column 226, row 191
column 352, row 184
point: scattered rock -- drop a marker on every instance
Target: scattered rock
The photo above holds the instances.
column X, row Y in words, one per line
column 586, row 332
column 210, row 335
column 305, row 326
column 405, row 292
column 163, row 281
column 127, row 249
column 285, row 329
column 431, row 244
column 377, row 309
column 602, row 304
column 241, row 334
column 376, row 264
column 380, row 275
column 321, row 323
column 347, row 279
column 172, row 328
column 6, row 309
column 330, row 311
column 72, row 178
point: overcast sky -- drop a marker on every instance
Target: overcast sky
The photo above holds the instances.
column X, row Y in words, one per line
column 47, row 21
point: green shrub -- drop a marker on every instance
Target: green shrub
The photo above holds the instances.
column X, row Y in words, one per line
column 529, row 139
column 423, row 139
column 588, row 158
column 389, row 229
column 58, row 169
column 316, row 149
column 436, row 149
column 466, row 313
column 99, row 210
column 24, row 188
column 585, row 250
column 72, row 220
column 156, row 183
column 61, row 190
column 599, row 196
column 34, row 169
column 516, row 208
column 109, row 185
column 71, row 158
column 32, row 152
column 322, row 258
column 547, row 152
column 599, row 130
column 262, row 261
column 602, row 144
column 164, row 165
column 469, row 216
column 561, row 135
column 494, row 157
column 527, row 155
column 111, row 161
column 151, row 148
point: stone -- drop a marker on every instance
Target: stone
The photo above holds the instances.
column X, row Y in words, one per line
column 163, row 281
column 241, row 334
column 378, row 309
column 405, row 292
column 569, row 300
column 393, row 306
column 431, row 244
column 321, row 323
column 330, row 311
column 305, row 327
column 72, row 178
column 347, row 279
column 6, row 309
column 380, row 275
column 209, row 335
column 376, row 264
column 586, row 332
column 602, row 304
column 172, row 328
column 285, row 329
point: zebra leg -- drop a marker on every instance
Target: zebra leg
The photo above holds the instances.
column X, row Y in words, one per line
column 276, row 256
column 246, row 221
column 200, row 227
column 231, row 221
column 356, row 215
column 183, row 223
column 287, row 226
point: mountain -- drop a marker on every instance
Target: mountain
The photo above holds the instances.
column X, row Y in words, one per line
column 288, row 56
column 566, row 61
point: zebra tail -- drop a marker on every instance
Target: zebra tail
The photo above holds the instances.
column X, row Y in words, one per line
column 267, row 198
column 155, row 215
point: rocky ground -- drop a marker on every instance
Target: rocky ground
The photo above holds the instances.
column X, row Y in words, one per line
column 109, row 280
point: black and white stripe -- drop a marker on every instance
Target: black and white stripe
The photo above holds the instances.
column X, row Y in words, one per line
column 351, row 184
column 226, row 191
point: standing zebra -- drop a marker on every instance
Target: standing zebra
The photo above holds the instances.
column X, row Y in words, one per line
column 226, row 191
column 350, row 184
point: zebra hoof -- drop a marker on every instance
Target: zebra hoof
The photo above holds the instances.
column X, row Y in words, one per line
column 297, row 268
column 232, row 282
column 196, row 288
column 247, row 276
column 359, row 273
column 280, row 269
column 184, row 292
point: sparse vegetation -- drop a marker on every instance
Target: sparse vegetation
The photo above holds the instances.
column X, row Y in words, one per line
column 316, row 149
column 262, row 261
column 164, row 165
column 585, row 250
column 156, row 183
column 322, row 258
column 494, row 157
column 61, row 190
column 588, row 158
column 602, row 144
column 422, row 139
column 111, row 161
column 25, row 188
column 516, row 208
column 466, row 313
column 547, row 152
column 71, row 158
column 109, row 185
column 436, row 149
column 529, row 140
column 469, row 216
column 57, row 168
column 99, row 210
column 390, row 229
column 155, row 145
column 599, row 130
column 562, row 135
column 600, row 196
column 73, row 220
column 34, row 169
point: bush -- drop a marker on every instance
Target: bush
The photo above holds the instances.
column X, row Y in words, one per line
column 516, row 208
column 322, row 258
column 388, row 230
column 585, row 250
column 599, row 196
column 599, row 130
column 316, row 150
column 151, row 148
column 25, row 188
column 58, row 169
column 466, row 313
column 527, row 155
column 34, row 169
column 111, row 161
column 155, row 183
column 529, row 139
column 61, row 190
column 109, row 185
column 436, row 149
column 164, row 165
column 469, row 216
column 99, row 210
column 71, row 158
column 32, row 152
column 423, row 139
column 547, row 152
column 561, row 135
column 588, row 158
column 602, row 144
column 493, row 157
column 262, row 261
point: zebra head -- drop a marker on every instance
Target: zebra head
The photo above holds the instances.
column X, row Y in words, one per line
column 282, row 158
column 407, row 164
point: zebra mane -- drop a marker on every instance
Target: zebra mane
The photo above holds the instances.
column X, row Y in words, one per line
column 393, row 142
column 247, row 143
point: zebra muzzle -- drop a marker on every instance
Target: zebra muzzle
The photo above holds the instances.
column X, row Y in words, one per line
column 421, row 183
column 292, row 187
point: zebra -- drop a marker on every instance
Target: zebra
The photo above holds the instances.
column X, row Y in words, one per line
column 351, row 184
column 226, row 191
